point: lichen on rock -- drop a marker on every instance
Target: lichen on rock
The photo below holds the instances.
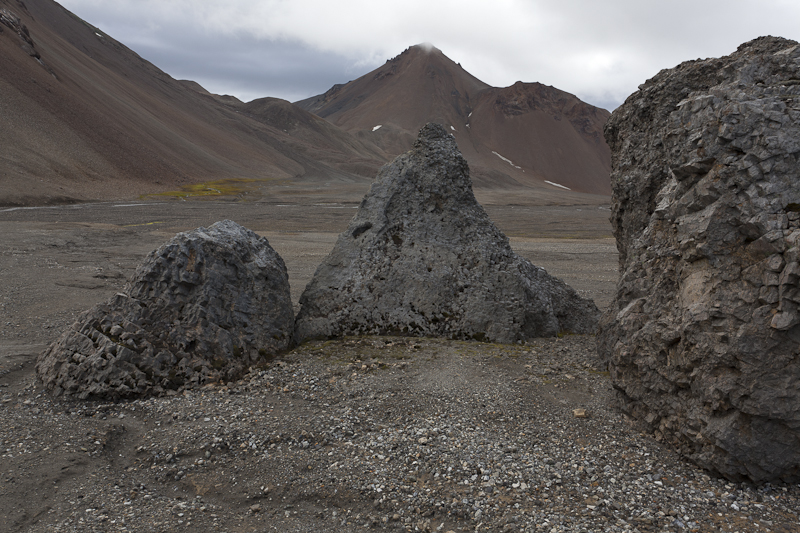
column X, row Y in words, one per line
column 702, row 337
column 201, row 308
column 421, row 257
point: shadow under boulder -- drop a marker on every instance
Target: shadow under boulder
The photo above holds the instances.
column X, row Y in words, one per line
column 203, row 307
column 702, row 337
column 421, row 257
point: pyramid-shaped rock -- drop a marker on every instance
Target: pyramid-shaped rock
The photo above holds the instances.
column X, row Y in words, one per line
column 203, row 307
column 421, row 257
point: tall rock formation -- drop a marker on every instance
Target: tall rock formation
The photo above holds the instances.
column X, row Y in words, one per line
column 421, row 257
column 203, row 307
column 703, row 337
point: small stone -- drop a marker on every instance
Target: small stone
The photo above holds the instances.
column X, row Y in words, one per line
column 580, row 413
column 784, row 321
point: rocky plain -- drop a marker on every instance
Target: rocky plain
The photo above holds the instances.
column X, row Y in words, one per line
column 62, row 261
column 351, row 434
column 345, row 435
column 442, row 373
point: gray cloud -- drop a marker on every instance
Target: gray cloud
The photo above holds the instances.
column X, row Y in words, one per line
column 600, row 51
column 249, row 68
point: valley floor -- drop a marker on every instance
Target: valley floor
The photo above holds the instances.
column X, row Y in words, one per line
column 401, row 434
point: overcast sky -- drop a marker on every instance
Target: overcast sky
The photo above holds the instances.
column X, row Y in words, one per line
column 599, row 50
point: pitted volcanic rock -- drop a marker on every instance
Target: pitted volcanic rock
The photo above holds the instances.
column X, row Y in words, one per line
column 421, row 257
column 702, row 338
column 202, row 308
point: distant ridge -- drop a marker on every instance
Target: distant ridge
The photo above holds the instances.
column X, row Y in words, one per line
column 86, row 118
column 527, row 134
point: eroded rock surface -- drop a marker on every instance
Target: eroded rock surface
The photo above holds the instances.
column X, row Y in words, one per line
column 203, row 307
column 13, row 22
column 422, row 258
column 703, row 337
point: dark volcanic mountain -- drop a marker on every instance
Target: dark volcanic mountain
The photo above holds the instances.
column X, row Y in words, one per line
column 84, row 118
column 525, row 134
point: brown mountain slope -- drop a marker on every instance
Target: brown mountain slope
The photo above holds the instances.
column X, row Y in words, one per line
column 523, row 135
column 545, row 131
column 86, row 118
column 331, row 145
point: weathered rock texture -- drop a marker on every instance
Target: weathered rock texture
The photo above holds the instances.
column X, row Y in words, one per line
column 422, row 258
column 203, row 307
column 702, row 339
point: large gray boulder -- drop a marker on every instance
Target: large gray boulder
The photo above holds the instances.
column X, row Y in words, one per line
column 203, row 307
column 703, row 337
column 422, row 258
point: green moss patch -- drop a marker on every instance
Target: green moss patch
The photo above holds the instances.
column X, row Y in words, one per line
column 215, row 189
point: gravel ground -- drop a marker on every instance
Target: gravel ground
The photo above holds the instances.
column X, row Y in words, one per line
column 339, row 436
column 367, row 433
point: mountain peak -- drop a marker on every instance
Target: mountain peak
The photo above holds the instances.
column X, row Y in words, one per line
column 426, row 47
column 528, row 134
column 417, row 50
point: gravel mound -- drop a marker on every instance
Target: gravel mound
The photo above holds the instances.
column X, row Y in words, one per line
column 203, row 307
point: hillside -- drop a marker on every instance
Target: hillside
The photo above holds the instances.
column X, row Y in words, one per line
column 87, row 118
column 523, row 135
